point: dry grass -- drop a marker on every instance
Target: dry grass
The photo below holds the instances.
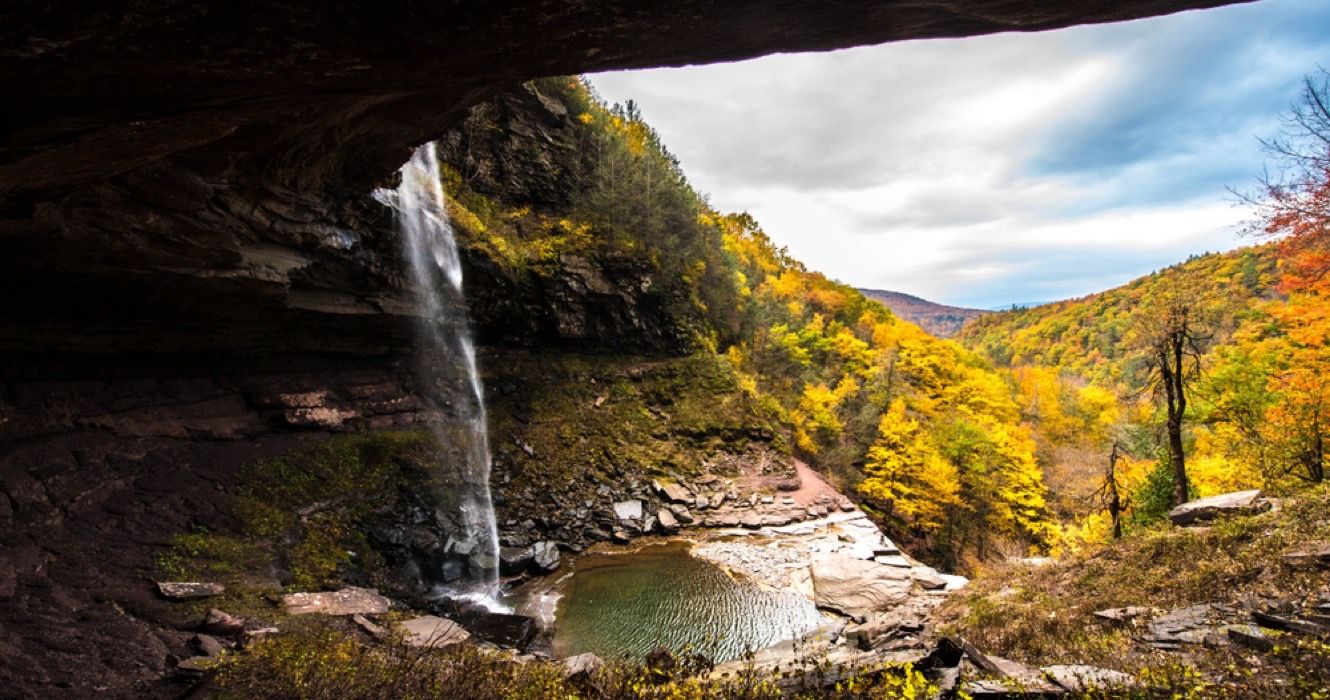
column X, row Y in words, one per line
column 1045, row 615
column 325, row 663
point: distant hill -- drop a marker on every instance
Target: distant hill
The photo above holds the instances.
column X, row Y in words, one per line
column 1085, row 336
column 938, row 319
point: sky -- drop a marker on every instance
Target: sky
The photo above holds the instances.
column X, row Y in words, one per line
column 986, row 171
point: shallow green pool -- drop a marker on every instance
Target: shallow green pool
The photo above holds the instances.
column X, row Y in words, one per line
column 625, row 604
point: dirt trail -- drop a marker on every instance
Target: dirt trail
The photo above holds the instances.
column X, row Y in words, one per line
column 811, row 486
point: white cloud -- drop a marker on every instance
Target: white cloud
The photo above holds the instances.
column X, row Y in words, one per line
column 1005, row 168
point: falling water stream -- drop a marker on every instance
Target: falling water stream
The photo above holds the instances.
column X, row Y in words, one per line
column 449, row 370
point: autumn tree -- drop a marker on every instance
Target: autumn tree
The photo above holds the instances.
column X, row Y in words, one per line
column 1171, row 332
column 1296, row 210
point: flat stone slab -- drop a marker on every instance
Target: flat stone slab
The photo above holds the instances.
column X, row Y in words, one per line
column 673, row 492
column 348, row 601
column 1081, row 678
column 628, row 510
column 1205, row 509
column 188, row 590
column 928, row 578
column 1310, row 557
column 1122, row 614
column 432, row 632
column 857, row 587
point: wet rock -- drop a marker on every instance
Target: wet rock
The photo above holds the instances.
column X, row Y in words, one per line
column 186, row 590
column 1206, row 509
column 347, row 601
column 219, row 622
column 668, row 524
column 545, row 556
column 855, row 587
column 431, row 632
column 620, row 537
column 1079, row 678
column 500, row 629
column 514, row 560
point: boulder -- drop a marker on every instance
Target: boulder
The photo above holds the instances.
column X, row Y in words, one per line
column 504, row 630
column 582, row 665
column 667, row 522
column 187, row 590
column 628, row 510
column 206, row 645
column 856, row 587
column 1206, row 509
column 545, row 556
column 672, row 492
column 348, row 601
column 514, row 560
column 682, row 515
column 431, row 632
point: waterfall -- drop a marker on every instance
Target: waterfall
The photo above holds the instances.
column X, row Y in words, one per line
column 449, row 370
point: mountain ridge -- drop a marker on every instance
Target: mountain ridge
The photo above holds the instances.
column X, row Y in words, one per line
column 941, row 320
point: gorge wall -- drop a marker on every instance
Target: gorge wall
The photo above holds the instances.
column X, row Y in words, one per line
column 194, row 275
